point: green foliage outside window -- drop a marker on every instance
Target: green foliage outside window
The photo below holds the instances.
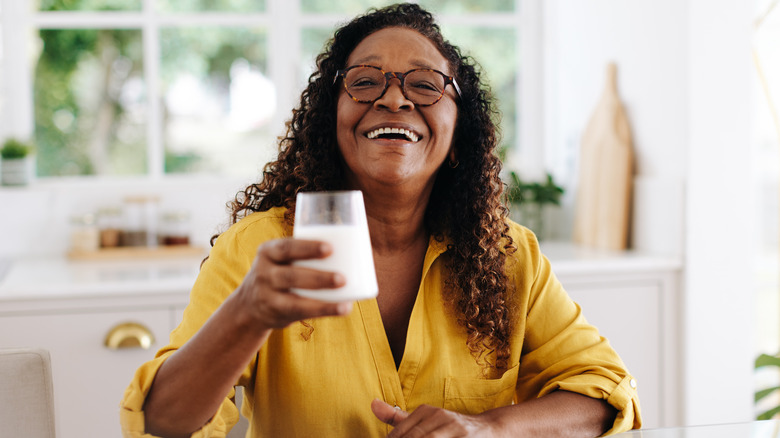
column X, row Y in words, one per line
column 439, row 6
column 90, row 96
column 77, row 96
column 211, row 5
column 162, row 5
column 90, row 5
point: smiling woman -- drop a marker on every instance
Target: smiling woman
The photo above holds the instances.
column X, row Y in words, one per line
column 469, row 334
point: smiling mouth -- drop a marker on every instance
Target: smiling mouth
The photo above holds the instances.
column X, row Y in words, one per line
column 393, row 134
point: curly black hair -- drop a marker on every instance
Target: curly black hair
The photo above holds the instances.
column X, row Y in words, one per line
column 309, row 160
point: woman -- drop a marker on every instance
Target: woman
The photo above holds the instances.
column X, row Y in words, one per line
column 470, row 335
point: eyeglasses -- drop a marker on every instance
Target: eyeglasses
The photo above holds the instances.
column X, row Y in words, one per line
column 422, row 86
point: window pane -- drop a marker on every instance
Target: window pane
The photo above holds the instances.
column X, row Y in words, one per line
column 90, row 5
column 495, row 50
column 89, row 92
column 354, row 7
column 211, row 5
column 461, row 6
column 218, row 101
column 313, row 42
column 351, row 7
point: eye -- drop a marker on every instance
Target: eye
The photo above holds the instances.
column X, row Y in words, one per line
column 425, row 84
column 364, row 81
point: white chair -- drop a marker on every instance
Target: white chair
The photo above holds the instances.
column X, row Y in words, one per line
column 26, row 394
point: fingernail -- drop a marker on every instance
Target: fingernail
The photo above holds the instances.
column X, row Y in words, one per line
column 344, row 308
column 339, row 279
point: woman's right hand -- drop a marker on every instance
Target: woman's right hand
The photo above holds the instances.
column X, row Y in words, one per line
column 265, row 292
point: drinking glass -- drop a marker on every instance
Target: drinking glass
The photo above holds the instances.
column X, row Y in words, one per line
column 338, row 218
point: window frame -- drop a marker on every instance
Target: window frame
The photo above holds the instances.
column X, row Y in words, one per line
column 285, row 22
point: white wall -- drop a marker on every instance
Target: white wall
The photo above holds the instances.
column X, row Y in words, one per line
column 719, row 286
column 684, row 74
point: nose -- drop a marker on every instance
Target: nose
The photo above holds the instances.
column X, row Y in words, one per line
column 394, row 98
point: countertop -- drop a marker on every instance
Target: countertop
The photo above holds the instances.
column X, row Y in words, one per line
column 58, row 283
column 60, row 278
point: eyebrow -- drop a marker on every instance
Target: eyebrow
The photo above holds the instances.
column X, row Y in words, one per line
column 374, row 58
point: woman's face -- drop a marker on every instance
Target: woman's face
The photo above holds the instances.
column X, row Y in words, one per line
column 395, row 160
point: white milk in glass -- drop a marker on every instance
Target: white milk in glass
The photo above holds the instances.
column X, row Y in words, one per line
column 352, row 257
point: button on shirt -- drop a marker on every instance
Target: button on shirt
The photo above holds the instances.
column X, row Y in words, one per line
column 319, row 378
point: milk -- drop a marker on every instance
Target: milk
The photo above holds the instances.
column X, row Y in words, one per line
column 352, row 257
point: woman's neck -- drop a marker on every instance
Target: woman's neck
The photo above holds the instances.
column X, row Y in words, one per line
column 396, row 222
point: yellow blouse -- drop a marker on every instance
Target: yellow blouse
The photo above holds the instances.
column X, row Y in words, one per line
column 321, row 382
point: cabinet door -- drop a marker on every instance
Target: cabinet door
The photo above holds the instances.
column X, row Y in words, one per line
column 629, row 316
column 89, row 379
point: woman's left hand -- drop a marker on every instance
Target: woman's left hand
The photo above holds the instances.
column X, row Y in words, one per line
column 430, row 421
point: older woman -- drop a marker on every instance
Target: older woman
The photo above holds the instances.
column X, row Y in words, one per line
column 470, row 335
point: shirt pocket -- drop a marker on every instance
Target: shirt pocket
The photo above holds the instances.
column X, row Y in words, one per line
column 474, row 396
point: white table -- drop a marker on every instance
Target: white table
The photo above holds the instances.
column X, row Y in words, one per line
column 756, row 429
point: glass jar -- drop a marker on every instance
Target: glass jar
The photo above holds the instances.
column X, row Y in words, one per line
column 175, row 228
column 84, row 233
column 140, row 222
column 110, row 225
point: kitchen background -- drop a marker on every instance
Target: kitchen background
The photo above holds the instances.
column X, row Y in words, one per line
column 705, row 189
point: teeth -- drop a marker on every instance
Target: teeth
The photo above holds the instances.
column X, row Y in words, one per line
column 411, row 136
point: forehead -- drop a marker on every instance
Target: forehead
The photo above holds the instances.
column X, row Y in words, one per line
column 395, row 48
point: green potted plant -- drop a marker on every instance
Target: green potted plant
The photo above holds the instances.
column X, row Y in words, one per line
column 770, row 410
column 18, row 162
column 528, row 200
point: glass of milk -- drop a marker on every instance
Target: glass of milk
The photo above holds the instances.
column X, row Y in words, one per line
column 338, row 218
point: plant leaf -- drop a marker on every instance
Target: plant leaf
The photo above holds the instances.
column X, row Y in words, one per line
column 768, row 414
column 767, row 360
column 765, row 392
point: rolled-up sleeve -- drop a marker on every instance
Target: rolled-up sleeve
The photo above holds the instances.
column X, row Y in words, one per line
column 562, row 351
column 131, row 413
column 228, row 263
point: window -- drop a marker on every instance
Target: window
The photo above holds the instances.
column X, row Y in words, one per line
column 154, row 87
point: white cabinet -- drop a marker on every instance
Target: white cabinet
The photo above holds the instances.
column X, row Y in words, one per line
column 68, row 309
column 89, row 378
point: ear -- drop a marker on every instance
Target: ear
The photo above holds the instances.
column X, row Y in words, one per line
column 453, row 156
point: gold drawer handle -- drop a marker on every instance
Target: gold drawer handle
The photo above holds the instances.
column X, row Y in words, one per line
column 129, row 335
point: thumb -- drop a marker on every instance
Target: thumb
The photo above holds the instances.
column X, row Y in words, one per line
column 388, row 414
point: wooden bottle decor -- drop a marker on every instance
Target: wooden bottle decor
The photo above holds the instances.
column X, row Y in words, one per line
column 603, row 205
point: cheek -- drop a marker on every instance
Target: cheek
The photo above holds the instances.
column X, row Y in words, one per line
column 346, row 118
column 445, row 125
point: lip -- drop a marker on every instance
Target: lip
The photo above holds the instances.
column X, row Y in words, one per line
column 401, row 126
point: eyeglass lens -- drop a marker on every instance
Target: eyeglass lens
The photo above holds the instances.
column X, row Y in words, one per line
column 423, row 87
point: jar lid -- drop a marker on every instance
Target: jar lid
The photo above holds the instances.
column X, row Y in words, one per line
column 175, row 216
column 110, row 211
column 83, row 219
column 140, row 199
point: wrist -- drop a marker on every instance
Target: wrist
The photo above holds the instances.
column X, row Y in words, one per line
column 245, row 318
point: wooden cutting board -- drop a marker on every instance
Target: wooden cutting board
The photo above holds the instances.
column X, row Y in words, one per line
column 606, row 167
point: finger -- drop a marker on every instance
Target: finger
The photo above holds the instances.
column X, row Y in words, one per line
column 426, row 421
column 388, row 414
column 291, row 276
column 297, row 308
column 288, row 250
